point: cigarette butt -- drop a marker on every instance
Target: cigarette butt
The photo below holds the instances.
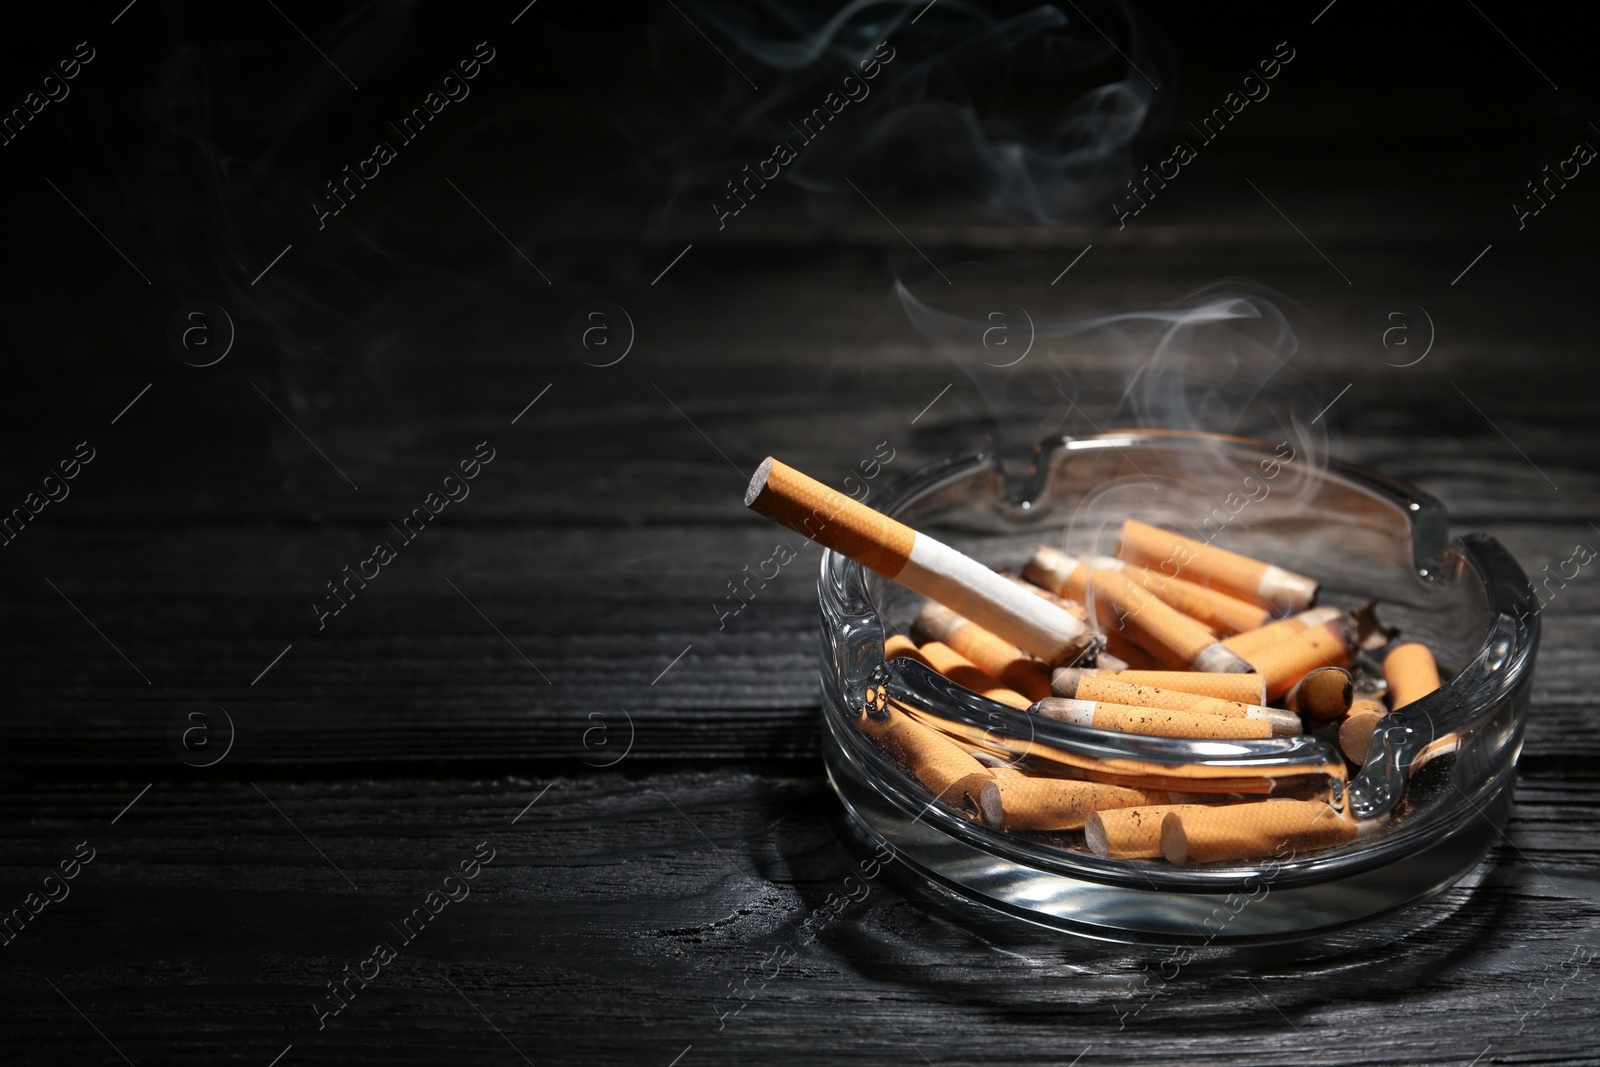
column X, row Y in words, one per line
column 1244, row 688
column 1223, row 613
column 1106, row 661
column 898, row 645
column 1411, row 673
column 1128, row 833
column 1273, row 633
column 1116, row 691
column 916, row 561
column 1355, row 733
column 1324, row 693
column 937, row 762
column 940, row 657
column 1052, row 803
column 1154, row 722
column 1001, row 659
column 1124, row 651
column 1239, row 576
column 1054, row 571
column 1250, row 830
column 1173, row 638
column 998, row 766
column 1285, row 663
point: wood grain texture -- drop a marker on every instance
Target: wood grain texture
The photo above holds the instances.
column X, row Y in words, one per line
column 628, row 916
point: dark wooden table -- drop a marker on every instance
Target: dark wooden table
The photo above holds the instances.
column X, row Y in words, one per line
column 538, row 685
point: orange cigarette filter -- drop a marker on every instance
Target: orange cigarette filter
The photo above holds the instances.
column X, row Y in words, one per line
column 1052, row 803
column 1285, row 663
column 1129, row 771
column 1125, row 651
column 1239, row 576
column 1243, row 688
column 1273, row 633
column 916, row 561
column 1219, row 611
column 1013, row 667
column 937, row 762
column 1355, row 733
column 1411, row 673
column 1324, row 693
column 1128, row 833
column 1173, row 638
column 945, row 660
column 1115, row 691
column 1154, row 722
column 1252, row 830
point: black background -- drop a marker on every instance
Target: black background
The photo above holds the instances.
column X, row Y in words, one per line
column 563, row 613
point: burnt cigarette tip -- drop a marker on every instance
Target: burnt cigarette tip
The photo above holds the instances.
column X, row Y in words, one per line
column 1064, row 682
column 758, row 481
column 990, row 807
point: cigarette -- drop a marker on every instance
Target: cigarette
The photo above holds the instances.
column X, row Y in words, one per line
column 916, row 561
column 1053, row 570
column 1173, row 638
column 1122, row 650
column 1000, row 659
column 1052, row 803
column 1239, row 576
column 1223, row 613
column 937, row 762
column 1273, row 633
column 1285, row 663
column 1128, row 833
column 1324, row 693
column 998, row 766
column 1154, row 722
column 1308, row 769
column 1071, row 607
column 958, row 669
column 1113, row 690
column 1411, row 673
column 1243, row 688
column 1251, row 830
column 1355, row 733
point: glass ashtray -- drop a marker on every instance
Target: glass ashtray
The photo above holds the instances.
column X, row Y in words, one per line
column 1437, row 782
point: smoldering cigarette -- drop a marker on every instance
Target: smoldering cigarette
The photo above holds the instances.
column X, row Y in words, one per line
column 1285, row 663
column 1251, row 830
column 1243, row 688
column 1173, row 638
column 915, row 560
column 937, row 762
column 1154, row 722
column 1052, row 803
column 1324, row 693
column 946, row 661
column 1000, row 659
column 1128, row 833
column 1223, row 613
column 1238, row 576
column 1117, row 691
column 1276, row 632
column 1411, row 673
column 1355, row 733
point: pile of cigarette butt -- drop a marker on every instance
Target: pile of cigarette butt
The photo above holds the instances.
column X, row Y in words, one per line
column 1185, row 640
